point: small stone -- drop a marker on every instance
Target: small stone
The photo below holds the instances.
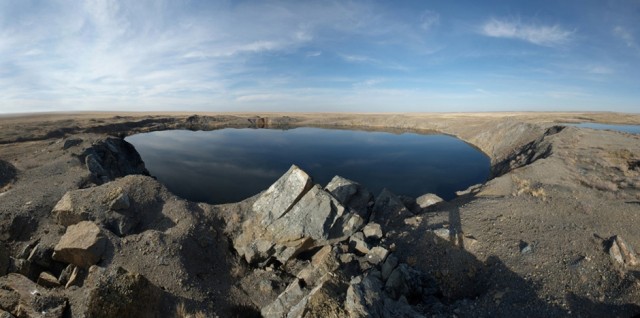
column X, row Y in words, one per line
column 41, row 255
column 119, row 200
column 442, row 233
column 26, row 250
column 622, row 253
column 81, row 245
column 469, row 240
column 372, row 231
column 65, row 212
column 346, row 258
column 350, row 194
column 71, row 143
column 65, row 275
column 427, row 200
column 74, row 278
column 364, row 265
column 357, row 243
column 377, row 255
column 525, row 248
column 413, row 221
column 47, row 280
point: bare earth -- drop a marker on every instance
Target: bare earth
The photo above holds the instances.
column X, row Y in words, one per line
column 534, row 241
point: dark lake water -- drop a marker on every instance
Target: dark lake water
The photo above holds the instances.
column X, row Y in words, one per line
column 632, row 129
column 230, row 165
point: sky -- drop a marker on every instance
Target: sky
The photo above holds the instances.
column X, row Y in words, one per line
column 315, row 56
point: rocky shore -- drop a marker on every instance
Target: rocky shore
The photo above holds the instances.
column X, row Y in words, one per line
column 87, row 232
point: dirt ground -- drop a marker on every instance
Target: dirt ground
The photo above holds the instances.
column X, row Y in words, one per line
column 534, row 240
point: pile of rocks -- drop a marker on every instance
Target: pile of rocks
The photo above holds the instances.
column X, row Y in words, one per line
column 332, row 242
column 65, row 266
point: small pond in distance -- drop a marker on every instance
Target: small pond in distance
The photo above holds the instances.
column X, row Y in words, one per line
column 230, row 165
column 632, row 129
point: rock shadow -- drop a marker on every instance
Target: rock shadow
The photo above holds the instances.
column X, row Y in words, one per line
column 205, row 255
column 584, row 307
column 8, row 174
column 472, row 287
column 456, row 236
column 476, row 288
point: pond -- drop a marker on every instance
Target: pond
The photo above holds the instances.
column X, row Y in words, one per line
column 230, row 165
column 632, row 129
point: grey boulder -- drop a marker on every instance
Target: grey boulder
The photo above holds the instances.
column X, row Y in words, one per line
column 291, row 217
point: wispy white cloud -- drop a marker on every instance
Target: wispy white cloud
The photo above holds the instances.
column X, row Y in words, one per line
column 599, row 70
column 545, row 35
column 261, row 97
column 123, row 53
column 379, row 63
column 626, row 36
column 429, row 19
column 368, row 83
column 358, row 58
column 314, row 53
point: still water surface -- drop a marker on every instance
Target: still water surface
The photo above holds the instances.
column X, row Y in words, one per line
column 632, row 129
column 230, row 165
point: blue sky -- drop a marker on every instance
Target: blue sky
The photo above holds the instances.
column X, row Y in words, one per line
column 400, row 56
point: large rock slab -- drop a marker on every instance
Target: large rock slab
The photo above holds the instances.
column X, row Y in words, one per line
column 82, row 245
column 317, row 217
column 351, row 194
column 290, row 218
column 112, row 158
column 282, row 195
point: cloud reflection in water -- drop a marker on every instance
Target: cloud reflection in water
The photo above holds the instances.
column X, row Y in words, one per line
column 229, row 165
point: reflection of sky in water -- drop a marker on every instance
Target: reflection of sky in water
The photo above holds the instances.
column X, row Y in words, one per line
column 632, row 129
column 230, row 165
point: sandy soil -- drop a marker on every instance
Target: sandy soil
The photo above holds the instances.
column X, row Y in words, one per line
column 533, row 241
